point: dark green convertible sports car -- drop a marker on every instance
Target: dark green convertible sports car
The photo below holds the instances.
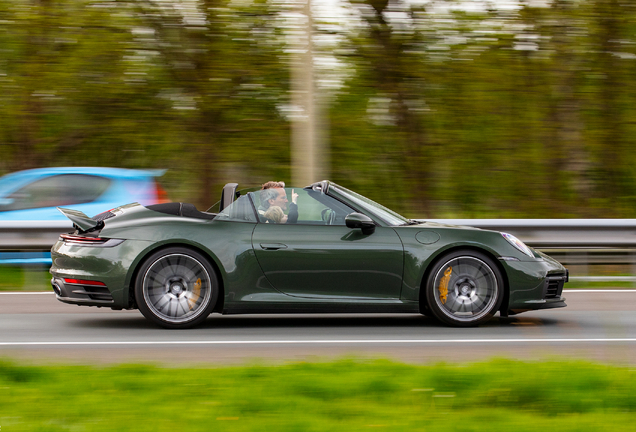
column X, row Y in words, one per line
column 329, row 250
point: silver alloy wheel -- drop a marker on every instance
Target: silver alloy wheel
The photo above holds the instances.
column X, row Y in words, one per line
column 466, row 289
column 177, row 288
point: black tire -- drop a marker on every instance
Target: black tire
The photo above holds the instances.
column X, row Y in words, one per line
column 464, row 288
column 176, row 288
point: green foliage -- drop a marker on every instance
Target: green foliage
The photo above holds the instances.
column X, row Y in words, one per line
column 343, row 395
column 499, row 113
column 526, row 112
column 142, row 84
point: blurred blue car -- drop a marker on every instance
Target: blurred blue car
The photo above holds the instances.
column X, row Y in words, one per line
column 34, row 194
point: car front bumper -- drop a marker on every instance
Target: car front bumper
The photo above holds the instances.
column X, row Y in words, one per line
column 535, row 284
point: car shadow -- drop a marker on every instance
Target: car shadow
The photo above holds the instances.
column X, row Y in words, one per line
column 229, row 322
column 358, row 320
column 114, row 322
column 317, row 321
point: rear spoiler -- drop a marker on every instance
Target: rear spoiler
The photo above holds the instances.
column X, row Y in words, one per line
column 79, row 219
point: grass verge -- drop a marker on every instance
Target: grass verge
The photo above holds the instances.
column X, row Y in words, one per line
column 345, row 395
column 574, row 284
column 27, row 278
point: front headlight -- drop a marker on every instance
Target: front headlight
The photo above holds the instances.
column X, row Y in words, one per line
column 518, row 244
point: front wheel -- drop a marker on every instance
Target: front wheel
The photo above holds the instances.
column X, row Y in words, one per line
column 176, row 288
column 465, row 288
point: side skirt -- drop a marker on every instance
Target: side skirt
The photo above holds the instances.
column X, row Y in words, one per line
column 321, row 307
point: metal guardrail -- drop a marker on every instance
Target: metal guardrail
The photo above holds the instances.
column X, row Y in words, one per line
column 29, row 242
column 539, row 233
column 561, row 233
column 31, row 235
column 574, row 242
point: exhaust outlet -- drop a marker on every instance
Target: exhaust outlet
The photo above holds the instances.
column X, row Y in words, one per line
column 56, row 288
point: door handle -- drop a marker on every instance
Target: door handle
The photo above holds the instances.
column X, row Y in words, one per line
column 273, row 246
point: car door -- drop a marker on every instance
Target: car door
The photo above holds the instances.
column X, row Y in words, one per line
column 319, row 257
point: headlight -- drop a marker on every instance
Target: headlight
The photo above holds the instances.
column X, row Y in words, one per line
column 518, row 244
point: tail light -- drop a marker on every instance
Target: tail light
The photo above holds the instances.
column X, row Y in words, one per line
column 73, row 238
column 82, row 240
column 84, row 282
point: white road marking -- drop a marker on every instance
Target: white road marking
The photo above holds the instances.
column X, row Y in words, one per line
column 325, row 341
column 25, row 292
column 565, row 291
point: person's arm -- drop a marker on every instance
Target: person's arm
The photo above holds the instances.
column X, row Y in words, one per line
column 292, row 217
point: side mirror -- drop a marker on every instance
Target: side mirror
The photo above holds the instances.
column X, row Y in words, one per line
column 358, row 220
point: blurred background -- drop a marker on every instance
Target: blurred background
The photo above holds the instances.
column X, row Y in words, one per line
column 438, row 109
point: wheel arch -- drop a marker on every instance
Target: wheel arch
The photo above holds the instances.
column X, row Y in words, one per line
column 141, row 259
column 442, row 253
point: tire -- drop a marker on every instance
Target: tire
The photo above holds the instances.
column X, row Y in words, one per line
column 464, row 288
column 176, row 288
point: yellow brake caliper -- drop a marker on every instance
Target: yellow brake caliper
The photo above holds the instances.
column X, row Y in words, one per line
column 196, row 293
column 443, row 285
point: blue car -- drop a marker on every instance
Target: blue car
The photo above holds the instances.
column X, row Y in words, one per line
column 35, row 194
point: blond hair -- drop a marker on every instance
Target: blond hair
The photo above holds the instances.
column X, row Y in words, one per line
column 275, row 214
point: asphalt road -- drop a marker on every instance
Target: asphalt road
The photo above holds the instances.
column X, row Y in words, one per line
column 34, row 327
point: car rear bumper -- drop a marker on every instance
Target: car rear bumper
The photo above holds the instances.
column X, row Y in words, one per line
column 99, row 276
column 81, row 294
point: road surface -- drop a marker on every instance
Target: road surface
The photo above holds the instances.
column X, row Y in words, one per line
column 36, row 328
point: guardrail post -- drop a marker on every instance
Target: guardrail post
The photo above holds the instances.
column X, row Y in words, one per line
column 633, row 266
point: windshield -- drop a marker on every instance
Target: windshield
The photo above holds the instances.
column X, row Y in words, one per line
column 387, row 215
column 11, row 182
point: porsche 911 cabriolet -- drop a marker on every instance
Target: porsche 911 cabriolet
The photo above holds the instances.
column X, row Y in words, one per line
column 329, row 250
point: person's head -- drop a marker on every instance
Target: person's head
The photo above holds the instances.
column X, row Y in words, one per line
column 275, row 214
column 273, row 194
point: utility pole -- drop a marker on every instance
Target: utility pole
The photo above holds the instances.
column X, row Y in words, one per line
column 305, row 157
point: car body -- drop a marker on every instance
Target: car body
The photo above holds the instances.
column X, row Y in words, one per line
column 345, row 253
column 35, row 194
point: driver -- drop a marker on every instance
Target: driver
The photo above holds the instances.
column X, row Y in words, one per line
column 273, row 194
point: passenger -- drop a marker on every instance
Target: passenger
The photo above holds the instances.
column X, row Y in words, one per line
column 273, row 194
column 275, row 214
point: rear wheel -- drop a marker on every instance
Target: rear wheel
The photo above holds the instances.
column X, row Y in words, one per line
column 464, row 289
column 176, row 288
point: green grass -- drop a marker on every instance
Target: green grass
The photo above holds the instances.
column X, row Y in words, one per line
column 573, row 284
column 346, row 395
column 33, row 278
